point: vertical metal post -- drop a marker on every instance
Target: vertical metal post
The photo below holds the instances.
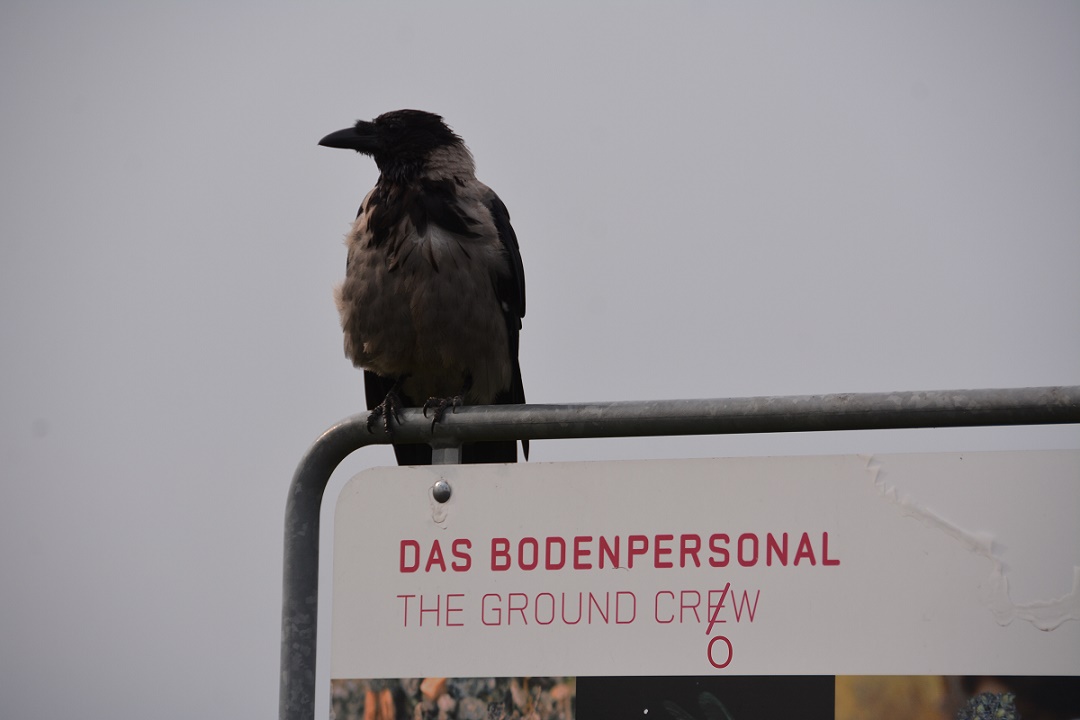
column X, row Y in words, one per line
column 449, row 455
column 300, row 599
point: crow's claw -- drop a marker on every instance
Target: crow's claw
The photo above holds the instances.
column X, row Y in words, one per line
column 389, row 407
column 438, row 407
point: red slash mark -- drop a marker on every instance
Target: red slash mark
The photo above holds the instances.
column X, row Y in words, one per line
column 716, row 612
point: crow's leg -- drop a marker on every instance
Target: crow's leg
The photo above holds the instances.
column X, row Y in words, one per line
column 389, row 407
column 438, row 405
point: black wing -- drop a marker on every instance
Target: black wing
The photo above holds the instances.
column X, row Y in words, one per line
column 511, row 293
column 513, row 289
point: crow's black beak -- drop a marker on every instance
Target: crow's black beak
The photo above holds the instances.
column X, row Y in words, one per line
column 361, row 138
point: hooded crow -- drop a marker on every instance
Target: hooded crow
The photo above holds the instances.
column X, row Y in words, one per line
column 434, row 288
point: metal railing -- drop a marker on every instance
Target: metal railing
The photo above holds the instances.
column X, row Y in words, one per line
column 844, row 411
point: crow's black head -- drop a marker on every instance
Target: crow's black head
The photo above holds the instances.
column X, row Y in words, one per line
column 400, row 141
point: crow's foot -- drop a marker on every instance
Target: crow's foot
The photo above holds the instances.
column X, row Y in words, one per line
column 438, row 407
column 389, row 407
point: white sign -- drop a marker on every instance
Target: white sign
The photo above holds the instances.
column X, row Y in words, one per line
column 741, row 566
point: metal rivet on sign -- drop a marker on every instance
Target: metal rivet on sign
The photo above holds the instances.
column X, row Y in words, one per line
column 441, row 491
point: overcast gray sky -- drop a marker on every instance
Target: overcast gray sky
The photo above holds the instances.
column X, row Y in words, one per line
column 713, row 200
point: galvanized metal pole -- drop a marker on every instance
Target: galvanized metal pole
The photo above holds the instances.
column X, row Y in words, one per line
column 300, row 600
column 862, row 411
